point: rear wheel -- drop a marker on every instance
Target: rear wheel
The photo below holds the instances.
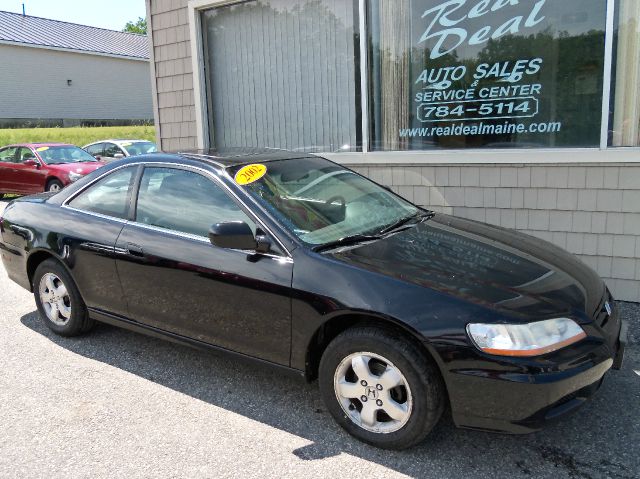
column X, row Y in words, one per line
column 59, row 302
column 381, row 388
column 54, row 186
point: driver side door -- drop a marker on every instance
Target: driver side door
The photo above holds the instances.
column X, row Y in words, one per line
column 175, row 280
column 29, row 178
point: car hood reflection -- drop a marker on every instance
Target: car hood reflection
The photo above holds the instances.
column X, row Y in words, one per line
column 483, row 264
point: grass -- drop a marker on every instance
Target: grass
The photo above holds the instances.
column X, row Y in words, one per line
column 76, row 136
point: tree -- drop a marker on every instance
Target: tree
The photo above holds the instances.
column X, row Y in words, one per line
column 139, row 26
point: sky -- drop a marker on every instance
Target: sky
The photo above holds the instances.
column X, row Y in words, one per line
column 111, row 14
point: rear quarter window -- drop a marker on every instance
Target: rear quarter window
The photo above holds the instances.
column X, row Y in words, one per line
column 108, row 196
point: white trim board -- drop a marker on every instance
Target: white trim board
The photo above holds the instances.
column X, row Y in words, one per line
column 485, row 157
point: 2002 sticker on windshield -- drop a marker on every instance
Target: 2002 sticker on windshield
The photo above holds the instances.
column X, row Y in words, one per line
column 250, row 173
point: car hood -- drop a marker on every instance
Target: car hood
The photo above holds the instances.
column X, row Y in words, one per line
column 82, row 168
column 486, row 265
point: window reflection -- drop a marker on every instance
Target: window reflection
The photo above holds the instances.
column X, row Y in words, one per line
column 467, row 74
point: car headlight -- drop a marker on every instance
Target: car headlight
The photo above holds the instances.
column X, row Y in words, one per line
column 532, row 339
column 75, row 176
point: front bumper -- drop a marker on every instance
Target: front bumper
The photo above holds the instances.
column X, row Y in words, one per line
column 519, row 397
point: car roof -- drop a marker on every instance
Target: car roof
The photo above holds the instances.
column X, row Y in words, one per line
column 117, row 140
column 229, row 157
column 214, row 159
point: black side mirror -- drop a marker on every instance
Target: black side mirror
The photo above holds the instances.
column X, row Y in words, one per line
column 237, row 235
column 31, row 162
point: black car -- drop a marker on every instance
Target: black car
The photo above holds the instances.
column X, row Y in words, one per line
column 296, row 261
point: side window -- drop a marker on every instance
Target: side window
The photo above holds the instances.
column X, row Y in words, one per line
column 108, row 196
column 8, row 155
column 25, row 154
column 111, row 150
column 95, row 150
column 184, row 201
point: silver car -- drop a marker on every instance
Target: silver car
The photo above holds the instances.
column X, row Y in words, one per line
column 109, row 150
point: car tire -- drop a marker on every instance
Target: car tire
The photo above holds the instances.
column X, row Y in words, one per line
column 413, row 407
column 54, row 185
column 1, row 195
column 58, row 300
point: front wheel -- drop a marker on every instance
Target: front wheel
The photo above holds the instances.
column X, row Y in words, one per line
column 54, row 186
column 381, row 388
column 58, row 300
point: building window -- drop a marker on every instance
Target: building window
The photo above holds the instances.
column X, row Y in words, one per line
column 284, row 74
column 438, row 74
column 486, row 74
column 626, row 104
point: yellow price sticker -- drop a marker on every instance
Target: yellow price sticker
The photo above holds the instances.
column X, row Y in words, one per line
column 42, row 148
column 250, row 173
column 127, row 144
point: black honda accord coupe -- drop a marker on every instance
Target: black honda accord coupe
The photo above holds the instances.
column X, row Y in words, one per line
column 293, row 260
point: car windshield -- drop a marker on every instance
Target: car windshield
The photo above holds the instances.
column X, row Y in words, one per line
column 56, row 155
column 321, row 202
column 140, row 147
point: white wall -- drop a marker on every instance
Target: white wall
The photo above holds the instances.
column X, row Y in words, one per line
column 33, row 84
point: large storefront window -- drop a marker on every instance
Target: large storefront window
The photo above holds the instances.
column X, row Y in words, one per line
column 626, row 107
column 284, row 74
column 487, row 73
column 424, row 75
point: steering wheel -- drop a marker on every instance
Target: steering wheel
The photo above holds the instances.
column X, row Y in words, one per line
column 340, row 198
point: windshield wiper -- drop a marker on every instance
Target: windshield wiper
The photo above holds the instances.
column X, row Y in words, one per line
column 346, row 241
column 417, row 217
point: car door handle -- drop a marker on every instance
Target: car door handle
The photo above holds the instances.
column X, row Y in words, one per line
column 134, row 250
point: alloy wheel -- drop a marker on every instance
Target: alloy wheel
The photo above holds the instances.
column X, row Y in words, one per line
column 373, row 392
column 55, row 299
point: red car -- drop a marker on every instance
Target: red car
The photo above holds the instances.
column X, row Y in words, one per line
column 36, row 167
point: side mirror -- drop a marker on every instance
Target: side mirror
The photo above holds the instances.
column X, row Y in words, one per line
column 237, row 235
column 117, row 156
column 31, row 162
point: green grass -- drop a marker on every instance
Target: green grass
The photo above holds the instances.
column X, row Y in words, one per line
column 76, row 136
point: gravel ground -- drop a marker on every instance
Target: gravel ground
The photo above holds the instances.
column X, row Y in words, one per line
column 115, row 404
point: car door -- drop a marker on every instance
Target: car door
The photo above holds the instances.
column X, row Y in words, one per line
column 93, row 220
column 110, row 152
column 28, row 178
column 7, row 169
column 176, row 280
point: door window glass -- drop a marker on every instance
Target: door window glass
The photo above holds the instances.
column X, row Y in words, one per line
column 184, row 201
column 8, row 155
column 95, row 150
column 25, row 154
column 109, row 196
column 111, row 150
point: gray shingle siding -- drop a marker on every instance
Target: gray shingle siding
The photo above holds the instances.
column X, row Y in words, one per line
column 174, row 76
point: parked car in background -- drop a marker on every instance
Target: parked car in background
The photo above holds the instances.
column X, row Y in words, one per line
column 36, row 167
column 109, row 150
